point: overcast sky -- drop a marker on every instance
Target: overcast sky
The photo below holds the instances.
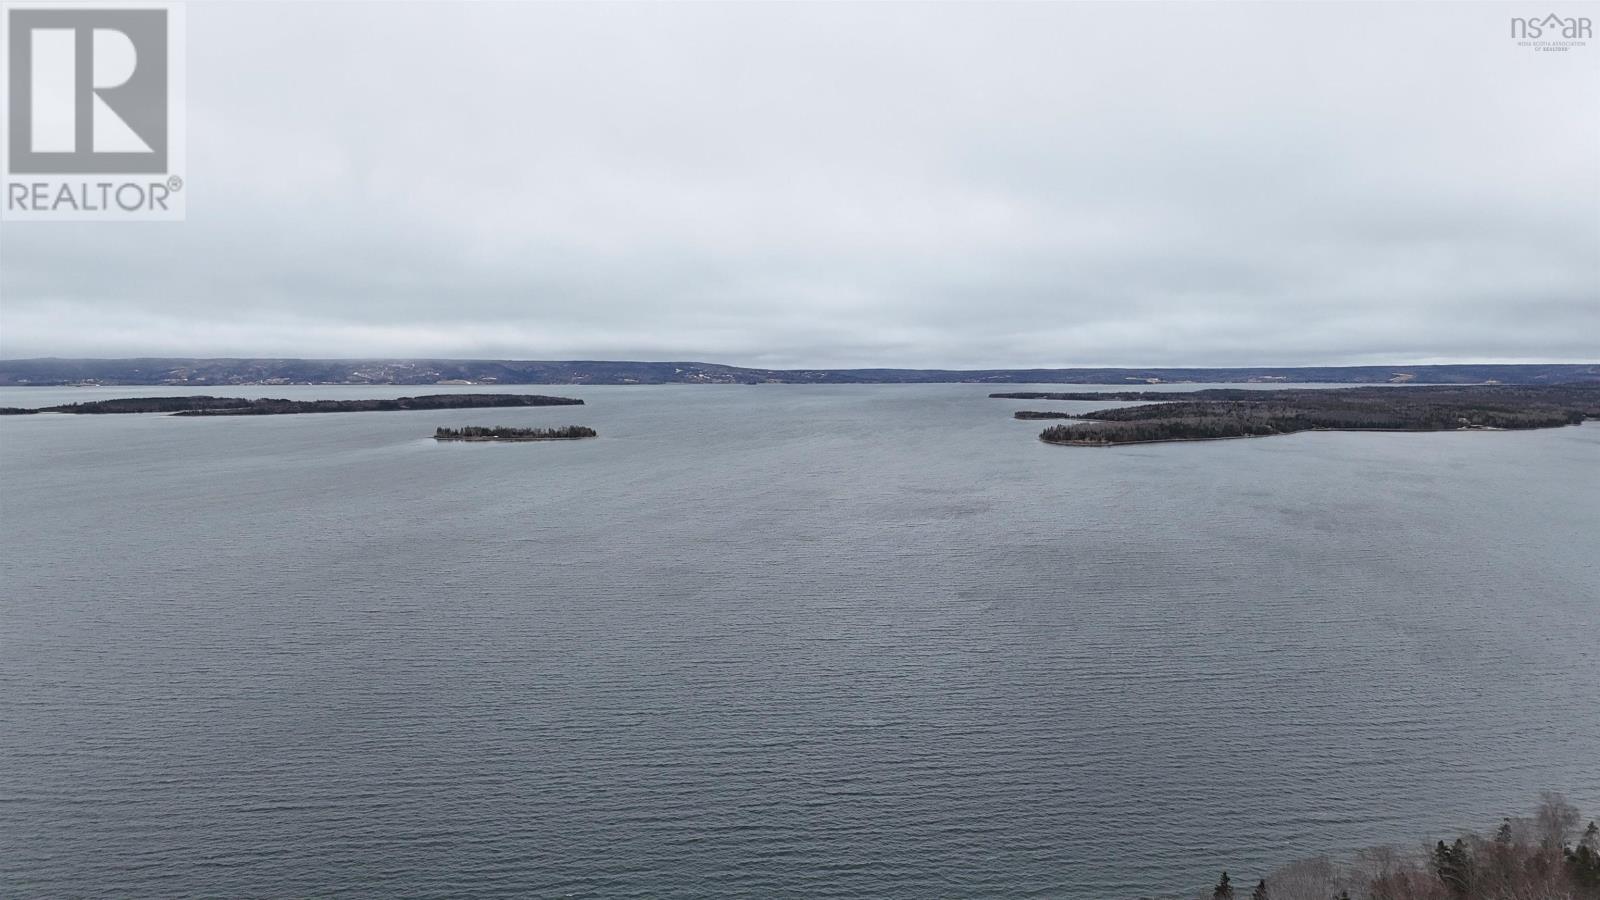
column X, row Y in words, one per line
column 834, row 185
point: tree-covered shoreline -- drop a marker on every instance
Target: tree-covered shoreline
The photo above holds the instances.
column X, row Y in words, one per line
column 1550, row 855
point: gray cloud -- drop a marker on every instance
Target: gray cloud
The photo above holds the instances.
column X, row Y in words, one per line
column 885, row 184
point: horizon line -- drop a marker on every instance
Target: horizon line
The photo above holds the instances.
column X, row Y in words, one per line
column 803, row 368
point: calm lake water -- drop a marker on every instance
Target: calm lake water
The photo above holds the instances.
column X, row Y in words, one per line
column 854, row 642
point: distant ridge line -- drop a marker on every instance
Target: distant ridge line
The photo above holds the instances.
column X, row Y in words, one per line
column 268, row 371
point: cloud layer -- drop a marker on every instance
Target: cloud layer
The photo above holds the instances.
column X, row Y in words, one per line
column 830, row 185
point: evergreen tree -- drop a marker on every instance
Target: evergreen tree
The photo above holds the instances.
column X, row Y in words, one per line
column 1503, row 836
column 1223, row 890
column 1583, row 863
column 1452, row 864
column 1260, row 893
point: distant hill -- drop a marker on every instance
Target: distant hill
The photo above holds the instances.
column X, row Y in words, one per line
column 199, row 372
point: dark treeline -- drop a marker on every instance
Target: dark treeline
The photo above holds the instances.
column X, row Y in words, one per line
column 1517, row 395
column 1547, row 856
column 1039, row 414
column 504, row 433
column 149, row 405
column 1244, row 413
column 1175, row 429
column 266, row 406
column 1514, row 394
column 1091, row 395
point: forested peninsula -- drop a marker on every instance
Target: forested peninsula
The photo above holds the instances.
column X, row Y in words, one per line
column 1230, row 413
column 239, row 406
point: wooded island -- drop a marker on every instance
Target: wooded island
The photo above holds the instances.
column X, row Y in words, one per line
column 502, row 433
column 266, row 406
column 1228, row 413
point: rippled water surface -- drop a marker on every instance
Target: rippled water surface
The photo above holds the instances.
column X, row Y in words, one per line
column 859, row 642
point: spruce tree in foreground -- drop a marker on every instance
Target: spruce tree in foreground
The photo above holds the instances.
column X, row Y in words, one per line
column 1583, row 862
column 1503, row 836
column 1452, row 864
column 1260, row 893
column 1223, row 890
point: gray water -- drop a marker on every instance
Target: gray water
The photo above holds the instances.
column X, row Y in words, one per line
column 858, row 641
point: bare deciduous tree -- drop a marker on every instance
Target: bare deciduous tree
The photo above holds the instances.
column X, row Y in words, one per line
column 1557, row 821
